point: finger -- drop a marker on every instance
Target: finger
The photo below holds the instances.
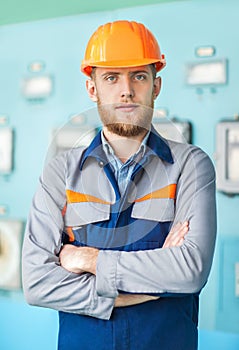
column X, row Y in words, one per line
column 181, row 242
column 176, row 238
column 177, row 233
column 176, row 227
column 180, row 230
column 179, row 226
column 177, row 241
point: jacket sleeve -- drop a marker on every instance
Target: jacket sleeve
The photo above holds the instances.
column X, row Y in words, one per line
column 183, row 269
column 45, row 282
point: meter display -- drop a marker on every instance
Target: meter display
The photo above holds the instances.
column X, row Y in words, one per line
column 227, row 157
column 70, row 137
column 176, row 130
column 232, row 161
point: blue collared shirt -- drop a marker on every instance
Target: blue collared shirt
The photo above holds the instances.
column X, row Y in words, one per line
column 123, row 171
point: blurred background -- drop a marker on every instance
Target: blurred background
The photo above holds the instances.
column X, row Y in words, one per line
column 42, row 90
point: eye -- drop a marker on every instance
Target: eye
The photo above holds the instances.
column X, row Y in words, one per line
column 140, row 77
column 111, row 78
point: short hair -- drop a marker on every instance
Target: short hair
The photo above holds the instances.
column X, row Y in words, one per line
column 153, row 69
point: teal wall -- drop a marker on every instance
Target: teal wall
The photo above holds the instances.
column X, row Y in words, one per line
column 180, row 28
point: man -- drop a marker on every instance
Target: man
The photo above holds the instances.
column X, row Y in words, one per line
column 121, row 235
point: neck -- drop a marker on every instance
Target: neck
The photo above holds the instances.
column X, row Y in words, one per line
column 124, row 147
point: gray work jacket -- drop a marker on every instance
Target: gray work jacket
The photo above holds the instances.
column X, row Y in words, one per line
column 182, row 169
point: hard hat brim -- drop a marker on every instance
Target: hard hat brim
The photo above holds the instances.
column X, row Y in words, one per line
column 86, row 67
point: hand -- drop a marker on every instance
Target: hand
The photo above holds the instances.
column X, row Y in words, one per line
column 176, row 235
column 78, row 259
column 133, row 299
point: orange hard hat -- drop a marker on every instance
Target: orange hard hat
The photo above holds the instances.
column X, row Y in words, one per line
column 122, row 44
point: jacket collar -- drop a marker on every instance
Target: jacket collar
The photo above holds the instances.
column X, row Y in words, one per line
column 156, row 145
column 159, row 146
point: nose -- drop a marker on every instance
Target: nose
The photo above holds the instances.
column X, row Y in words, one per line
column 127, row 91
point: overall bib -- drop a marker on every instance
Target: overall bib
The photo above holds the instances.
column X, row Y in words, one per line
column 169, row 323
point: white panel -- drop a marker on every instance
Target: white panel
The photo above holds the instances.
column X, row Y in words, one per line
column 207, row 73
column 176, row 131
column 10, row 254
column 38, row 87
column 6, row 147
column 227, row 153
column 71, row 137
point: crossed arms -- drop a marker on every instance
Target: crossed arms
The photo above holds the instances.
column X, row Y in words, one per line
column 84, row 259
column 52, row 279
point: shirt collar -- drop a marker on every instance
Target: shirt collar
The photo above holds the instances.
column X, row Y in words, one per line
column 110, row 151
column 156, row 145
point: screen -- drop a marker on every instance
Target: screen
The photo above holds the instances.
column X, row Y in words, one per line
column 233, row 154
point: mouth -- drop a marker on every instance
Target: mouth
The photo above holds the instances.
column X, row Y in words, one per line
column 127, row 107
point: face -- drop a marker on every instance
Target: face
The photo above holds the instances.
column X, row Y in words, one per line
column 125, row 98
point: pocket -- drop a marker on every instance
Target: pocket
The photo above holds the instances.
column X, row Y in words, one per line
column 160, row 210
column 79, row 214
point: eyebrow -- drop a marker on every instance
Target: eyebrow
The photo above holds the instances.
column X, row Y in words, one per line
column 140, row 72
column 109, row 73
column 130, row 72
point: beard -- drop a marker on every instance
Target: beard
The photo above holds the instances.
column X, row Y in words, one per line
column 126, row 130
column 128, row 124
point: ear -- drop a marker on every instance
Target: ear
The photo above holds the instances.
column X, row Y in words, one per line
column 91, row 89
column 157, row 86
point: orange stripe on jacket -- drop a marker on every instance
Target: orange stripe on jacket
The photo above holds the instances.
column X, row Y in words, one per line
column 70, row 234
column 165, row 192
column 63, row 212
column 76, row 197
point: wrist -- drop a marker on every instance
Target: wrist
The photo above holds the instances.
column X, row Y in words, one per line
column 92, row 260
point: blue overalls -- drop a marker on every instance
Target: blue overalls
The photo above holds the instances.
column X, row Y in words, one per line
column 169, row 323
